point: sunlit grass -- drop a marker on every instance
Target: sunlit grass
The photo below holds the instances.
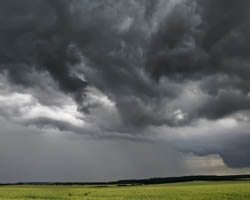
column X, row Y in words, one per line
column 180, row 191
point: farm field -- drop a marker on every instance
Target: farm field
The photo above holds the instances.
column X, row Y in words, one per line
column 237, row 190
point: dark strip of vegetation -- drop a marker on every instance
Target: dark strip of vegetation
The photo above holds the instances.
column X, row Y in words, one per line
column 136, row 182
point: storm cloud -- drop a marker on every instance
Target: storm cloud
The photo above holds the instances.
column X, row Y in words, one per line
column 132, row 70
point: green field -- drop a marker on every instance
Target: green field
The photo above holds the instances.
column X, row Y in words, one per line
column 187, row 191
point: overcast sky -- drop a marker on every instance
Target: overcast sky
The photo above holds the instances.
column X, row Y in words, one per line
column 100, row 90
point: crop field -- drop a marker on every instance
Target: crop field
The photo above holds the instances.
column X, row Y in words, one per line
column 238, row 190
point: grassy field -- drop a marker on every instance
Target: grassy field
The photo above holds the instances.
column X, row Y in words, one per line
column 180, row 191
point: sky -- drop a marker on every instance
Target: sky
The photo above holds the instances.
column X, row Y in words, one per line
column 101, row 90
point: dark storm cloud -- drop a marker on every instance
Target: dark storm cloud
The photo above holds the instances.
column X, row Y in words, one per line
column 62, row 33
column 193, row 41
column 204, row 39
column 232, row 144
column 36, row 35
column 198, row 38
column 222, row 17
column 157, row 62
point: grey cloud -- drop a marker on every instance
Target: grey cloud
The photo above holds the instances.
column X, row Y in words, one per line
column 27, row 154
column 141, row 55
column 113, row 48
column 232, row 146
column 116, row 48
column 206, row 42
column 226, row 138
column 180, row 46
column 38, row 39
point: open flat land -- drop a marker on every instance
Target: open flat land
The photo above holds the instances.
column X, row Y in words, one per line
column 234, row 190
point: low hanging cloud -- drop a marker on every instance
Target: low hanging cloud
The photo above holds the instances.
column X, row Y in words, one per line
column 114, row 68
